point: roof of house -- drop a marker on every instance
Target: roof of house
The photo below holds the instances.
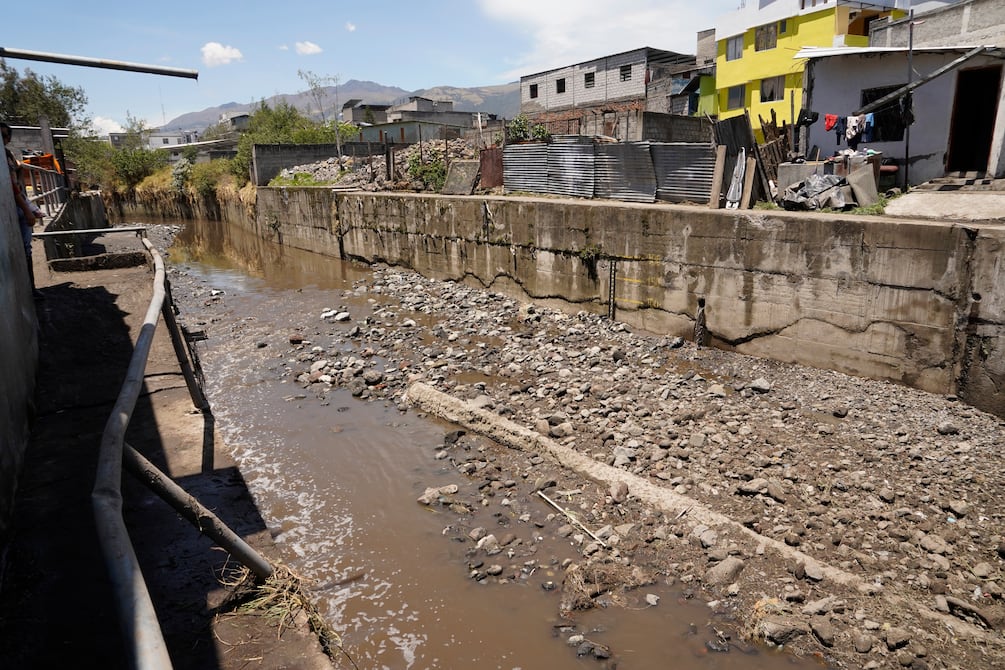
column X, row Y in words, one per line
column 653, row 56
column 826, row 52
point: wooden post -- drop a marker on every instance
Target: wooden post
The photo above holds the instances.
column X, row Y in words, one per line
column 715, row 197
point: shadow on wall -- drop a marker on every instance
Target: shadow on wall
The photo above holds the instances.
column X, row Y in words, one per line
column 18, row 357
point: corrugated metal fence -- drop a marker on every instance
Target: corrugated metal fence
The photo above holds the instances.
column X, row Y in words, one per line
column 574, row 165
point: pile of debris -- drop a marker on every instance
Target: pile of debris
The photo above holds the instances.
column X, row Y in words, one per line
column 369, row 173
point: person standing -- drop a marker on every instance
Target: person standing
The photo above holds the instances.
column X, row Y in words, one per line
column 27, row 212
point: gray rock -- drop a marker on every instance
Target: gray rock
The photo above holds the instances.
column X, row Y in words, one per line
column 432, row 495
column 821, row 606
column 760, row 385
column 934, row 544
column 724, row 572
column 982, row 570
column 947, row 428
column 780, row 630
column 897, row 638
column 863, row 642
column 824, row 631
column 753, row 487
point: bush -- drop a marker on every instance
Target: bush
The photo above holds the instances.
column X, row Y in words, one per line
column 433, row 173
column 205, row 178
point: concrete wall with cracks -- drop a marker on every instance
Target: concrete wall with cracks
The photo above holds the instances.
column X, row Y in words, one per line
column 916, row 302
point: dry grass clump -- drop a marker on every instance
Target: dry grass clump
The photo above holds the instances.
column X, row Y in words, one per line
column 283, row 597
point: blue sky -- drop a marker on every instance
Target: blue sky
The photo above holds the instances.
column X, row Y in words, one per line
column 247, row 51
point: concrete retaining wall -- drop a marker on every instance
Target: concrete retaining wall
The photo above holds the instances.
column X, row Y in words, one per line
column 18, row 357
column 919, row 303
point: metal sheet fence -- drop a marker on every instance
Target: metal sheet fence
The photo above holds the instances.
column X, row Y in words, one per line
column 684, row 172
column 625, row 172
column 525, row 168
column 573, row 165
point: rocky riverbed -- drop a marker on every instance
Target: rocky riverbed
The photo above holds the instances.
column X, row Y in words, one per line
column 856, row 521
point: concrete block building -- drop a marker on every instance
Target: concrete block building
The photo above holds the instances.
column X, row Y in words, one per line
column 608, row 95
column 754, row 67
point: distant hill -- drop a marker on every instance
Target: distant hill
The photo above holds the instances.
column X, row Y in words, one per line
column 502, row 100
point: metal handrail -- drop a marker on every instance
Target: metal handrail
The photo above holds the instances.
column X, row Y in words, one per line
column 137, row 617
column 136, row 611
column 48, row 186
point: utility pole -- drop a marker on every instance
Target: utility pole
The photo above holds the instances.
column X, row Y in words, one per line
column 910, row 75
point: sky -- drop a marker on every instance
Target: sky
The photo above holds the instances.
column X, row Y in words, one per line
column 247, row 51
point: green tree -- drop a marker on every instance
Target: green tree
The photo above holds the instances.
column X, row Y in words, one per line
column 24, row 97
column 134, row 161
column 282, row 124
column 91, row 159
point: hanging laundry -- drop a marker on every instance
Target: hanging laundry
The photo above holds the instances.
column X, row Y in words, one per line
column 854, row 131
column 868, row 128
column 853, row 128
column 830, row 120
column 839, row 128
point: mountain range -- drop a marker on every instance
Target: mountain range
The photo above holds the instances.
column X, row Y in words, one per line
column 502, row 100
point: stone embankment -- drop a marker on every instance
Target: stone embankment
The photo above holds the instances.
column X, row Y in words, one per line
column 857, row 521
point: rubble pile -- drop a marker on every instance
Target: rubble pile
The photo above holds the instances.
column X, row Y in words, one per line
column 369, row 173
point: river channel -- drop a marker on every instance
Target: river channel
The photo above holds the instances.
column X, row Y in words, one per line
column 336, row 480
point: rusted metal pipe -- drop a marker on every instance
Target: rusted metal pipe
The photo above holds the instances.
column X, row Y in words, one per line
column 97, row 62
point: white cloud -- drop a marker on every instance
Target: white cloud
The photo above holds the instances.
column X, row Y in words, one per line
column 103, row 126
column 350, row 27
column 573, row 31
column 308, row 48
column 283, row 47
column 214, row 53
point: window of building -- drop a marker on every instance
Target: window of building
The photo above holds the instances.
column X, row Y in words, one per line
column 736, row 96
column 533, row 90
column 626, row 72
column 766, row 37
column 888, row 121
column 560, row 85
column 783, row 26
column 165, row 141
column 588, row 79
column 773, row 89
column 734, row 47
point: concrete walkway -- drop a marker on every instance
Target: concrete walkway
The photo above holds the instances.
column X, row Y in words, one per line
column 982, row 206
column 56, row 606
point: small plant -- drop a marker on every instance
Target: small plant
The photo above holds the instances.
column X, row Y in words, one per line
column 521, row 129
column 590, row 253
column 433, row 173
column 297, row 179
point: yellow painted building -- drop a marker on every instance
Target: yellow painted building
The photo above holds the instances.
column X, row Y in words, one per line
column 754, row 66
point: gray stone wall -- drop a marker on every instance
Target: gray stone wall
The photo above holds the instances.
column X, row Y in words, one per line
column 268, row 160
column 917, row 303
column 968, row 23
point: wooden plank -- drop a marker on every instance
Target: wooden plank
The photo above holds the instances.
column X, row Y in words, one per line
column 715, row 198
column 748, row 184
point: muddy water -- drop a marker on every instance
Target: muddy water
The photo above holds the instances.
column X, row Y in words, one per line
column 337, row 481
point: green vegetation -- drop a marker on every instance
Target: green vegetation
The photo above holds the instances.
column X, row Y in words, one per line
column 283, row 124
column 432, row 173
column 521, row 129
column 119, row 170
column 25, row 97
column 298, row 179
